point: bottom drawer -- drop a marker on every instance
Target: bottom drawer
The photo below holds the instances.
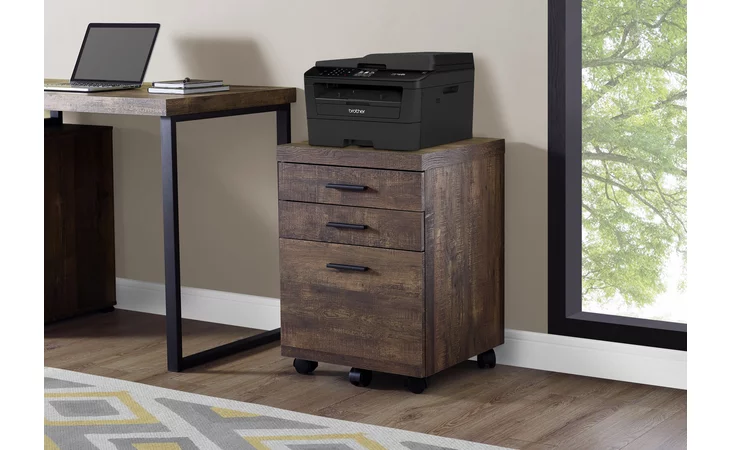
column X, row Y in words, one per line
column 369, row 311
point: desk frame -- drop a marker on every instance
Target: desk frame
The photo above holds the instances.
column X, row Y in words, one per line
column 176, row 362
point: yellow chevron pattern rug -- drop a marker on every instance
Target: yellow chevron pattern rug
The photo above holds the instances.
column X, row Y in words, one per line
column 87, row 412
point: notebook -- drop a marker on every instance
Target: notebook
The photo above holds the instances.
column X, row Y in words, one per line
column 187, row 83
column 187, row 90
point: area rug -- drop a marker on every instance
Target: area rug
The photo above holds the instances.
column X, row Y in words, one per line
column 88, row 412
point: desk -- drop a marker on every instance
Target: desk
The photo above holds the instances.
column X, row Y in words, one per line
column 171, row 109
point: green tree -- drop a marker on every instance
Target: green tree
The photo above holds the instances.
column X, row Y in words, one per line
column 634, row 146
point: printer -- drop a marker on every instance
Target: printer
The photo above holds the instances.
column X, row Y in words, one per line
column 391, row 101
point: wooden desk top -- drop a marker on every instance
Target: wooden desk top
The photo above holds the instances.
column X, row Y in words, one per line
column 141, row 103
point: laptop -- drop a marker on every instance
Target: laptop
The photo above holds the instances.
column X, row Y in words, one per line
column 113, row 56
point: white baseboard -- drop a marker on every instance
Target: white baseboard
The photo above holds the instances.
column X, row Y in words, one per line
column 591, row 358
column 600, row 359
column 241, row 310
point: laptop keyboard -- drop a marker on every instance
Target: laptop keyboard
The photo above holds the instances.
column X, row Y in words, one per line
column 97, row 84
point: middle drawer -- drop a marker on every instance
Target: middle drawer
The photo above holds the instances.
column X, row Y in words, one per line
column 400, row 230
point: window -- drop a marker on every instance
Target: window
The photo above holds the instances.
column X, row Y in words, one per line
column 617, row 170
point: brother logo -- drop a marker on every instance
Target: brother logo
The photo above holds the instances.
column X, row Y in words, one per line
column 356, row 111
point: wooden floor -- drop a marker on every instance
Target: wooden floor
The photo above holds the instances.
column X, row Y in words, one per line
column 507, row 406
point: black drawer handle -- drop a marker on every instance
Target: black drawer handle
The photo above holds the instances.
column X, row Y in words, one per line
column 348, row 226
column 346, row 187
column 346, row 267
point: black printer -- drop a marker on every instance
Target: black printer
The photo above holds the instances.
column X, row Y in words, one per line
column 391, row 101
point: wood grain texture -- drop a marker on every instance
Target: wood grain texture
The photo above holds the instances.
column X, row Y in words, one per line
column 420, row 160
column 375, row 315
column 670, row 433
column 462, row 402
column 78, row 220
column 462, row 194
column 400, row 230
column 141, row 103
column 464, row 259
column 387, row 189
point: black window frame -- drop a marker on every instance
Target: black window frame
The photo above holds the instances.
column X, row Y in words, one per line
column 565, row 315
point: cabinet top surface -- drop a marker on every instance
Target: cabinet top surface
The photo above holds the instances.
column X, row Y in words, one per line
column 419, row 160
column 140, row 102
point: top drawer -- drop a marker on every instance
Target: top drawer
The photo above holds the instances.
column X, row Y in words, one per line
column 352, row 186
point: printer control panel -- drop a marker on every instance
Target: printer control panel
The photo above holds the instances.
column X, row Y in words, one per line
column 346, row 72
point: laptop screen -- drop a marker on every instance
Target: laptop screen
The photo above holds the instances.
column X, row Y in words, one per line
column 115, row 52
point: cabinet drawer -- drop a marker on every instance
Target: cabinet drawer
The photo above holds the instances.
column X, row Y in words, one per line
column 368, row 227
column 374, row 315
column 351, row 186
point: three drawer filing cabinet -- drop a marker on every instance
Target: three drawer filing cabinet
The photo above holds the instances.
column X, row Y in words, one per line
column 392, row 261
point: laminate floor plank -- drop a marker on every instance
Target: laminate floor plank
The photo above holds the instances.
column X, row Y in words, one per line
column 668, row 435
column 509, row 406
column 618, row 430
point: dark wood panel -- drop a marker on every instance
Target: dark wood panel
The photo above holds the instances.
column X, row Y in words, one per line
column 79, row 220
column 388, row 189
column 376, row 314
column 420, row 160
column 140, row 102
column 462, row 402
column 465, row 254
column 60, row 294
column 401, row 230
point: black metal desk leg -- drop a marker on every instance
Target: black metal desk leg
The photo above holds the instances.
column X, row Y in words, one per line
column 168, row 134
column 283, row 125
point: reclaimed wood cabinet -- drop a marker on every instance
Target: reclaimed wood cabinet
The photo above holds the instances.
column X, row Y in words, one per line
column 392, row 261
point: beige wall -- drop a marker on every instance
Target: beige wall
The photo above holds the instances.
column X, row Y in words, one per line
column 228, row 210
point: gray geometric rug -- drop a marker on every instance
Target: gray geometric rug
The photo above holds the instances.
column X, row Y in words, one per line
column 88, row 412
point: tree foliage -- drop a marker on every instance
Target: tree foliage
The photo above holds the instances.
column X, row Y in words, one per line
column 634, row 146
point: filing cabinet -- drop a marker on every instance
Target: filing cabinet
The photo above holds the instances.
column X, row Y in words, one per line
column 392, row 261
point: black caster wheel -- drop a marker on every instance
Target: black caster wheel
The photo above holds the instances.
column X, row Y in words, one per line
column 416, row 385
column 360, row 377
column 487, row 359
column 304, row 366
